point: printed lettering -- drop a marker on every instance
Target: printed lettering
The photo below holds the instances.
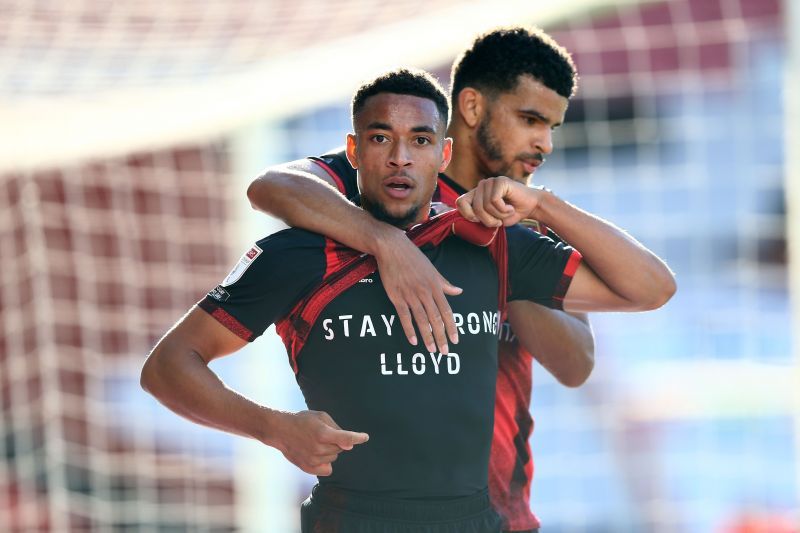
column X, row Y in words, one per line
column 418, row 363
column 459, row 320
column 346, row 319
column 453, row 363
column 367, row 326
column 388, row 323
column 385, row 371
column 328, row 331
column 473, row 323
column 400, row 371
column 436, row 361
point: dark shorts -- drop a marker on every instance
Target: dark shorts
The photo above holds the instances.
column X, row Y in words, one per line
column 330, row 510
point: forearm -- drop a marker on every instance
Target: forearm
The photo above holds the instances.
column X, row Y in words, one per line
column 183, row 383
column 562, row 342
column 305, row 201
column 629, row 269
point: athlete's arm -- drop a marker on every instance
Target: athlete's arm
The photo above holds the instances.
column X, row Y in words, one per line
column 563, row 343
column 303, row 195
column 177, row 374
column 618, row 273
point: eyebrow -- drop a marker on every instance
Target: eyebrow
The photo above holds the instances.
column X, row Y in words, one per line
column 387, row 127
column 536, row 114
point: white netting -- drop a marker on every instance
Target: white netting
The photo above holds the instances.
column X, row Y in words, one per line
column 97, row 259
column 677, row 134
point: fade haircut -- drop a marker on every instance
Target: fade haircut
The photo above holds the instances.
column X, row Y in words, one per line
column 407, row 81
column 495, row 61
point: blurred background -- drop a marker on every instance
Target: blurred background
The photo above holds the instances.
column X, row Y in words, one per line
column 129, row 132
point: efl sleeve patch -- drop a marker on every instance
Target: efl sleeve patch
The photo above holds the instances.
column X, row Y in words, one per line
column 267, row 281
column 241, row 267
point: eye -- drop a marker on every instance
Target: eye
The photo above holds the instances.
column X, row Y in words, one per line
column 422, row 141
column 379, row 138
column 530, row 121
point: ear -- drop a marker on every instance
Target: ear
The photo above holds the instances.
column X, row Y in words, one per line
column 447, row 153
column 470, row 106
column 350, row 150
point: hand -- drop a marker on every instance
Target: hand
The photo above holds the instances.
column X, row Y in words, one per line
column 416, row 289
column 499, row 201
column 312, row 441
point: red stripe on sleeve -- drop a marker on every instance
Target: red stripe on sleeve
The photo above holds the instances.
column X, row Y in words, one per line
column 572, row 264
column 226, row 319
column 333, row 174
column 566, row 278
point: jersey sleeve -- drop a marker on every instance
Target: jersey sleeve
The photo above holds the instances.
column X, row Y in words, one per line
column 338, row 167
column 268, row 280
column 539, row 269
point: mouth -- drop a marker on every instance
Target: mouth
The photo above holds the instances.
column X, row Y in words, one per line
column 398, row 187
column 530, row 165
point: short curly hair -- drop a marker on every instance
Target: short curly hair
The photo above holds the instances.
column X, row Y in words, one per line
column 407, row 81
column 496, row 59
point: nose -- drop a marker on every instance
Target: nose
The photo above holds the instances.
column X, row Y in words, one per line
column 544, row 140
column 400, row 155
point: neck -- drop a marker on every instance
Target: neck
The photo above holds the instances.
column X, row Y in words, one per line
column 464, row 167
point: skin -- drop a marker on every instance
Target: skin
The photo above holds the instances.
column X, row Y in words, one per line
column 507, row 134
column 397, row 144
column 617, row 273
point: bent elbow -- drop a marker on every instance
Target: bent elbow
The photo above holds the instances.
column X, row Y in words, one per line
column 582, row 376
column 149, row 376
column 254, row 192
column 663, row 293
column 579, row 373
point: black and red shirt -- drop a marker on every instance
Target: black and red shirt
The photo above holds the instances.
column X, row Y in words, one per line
column 511, row 461
column 429, row 416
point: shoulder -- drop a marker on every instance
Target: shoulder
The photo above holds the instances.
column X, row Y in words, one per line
column 338, row 169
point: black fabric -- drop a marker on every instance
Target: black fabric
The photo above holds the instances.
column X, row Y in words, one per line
column 338, row 163
column 289, row 264
column 429, row 416
column 331, row 510
column 522, row 254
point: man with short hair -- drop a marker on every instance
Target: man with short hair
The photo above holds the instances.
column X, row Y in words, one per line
column 510, row 89
column 419, row 425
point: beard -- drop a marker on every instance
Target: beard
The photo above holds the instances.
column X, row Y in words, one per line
column 378, row 211
column 496, row 163
column 486, row 140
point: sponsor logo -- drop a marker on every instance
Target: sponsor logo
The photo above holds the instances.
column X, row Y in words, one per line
column 219, row 294
column 242, row 266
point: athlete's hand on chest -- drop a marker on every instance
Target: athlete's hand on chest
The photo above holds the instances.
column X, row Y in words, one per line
column 312, row 441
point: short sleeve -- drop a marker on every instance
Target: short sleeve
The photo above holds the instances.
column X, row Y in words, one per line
column 539, row 269
column 271, row 276
column 338, row 167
